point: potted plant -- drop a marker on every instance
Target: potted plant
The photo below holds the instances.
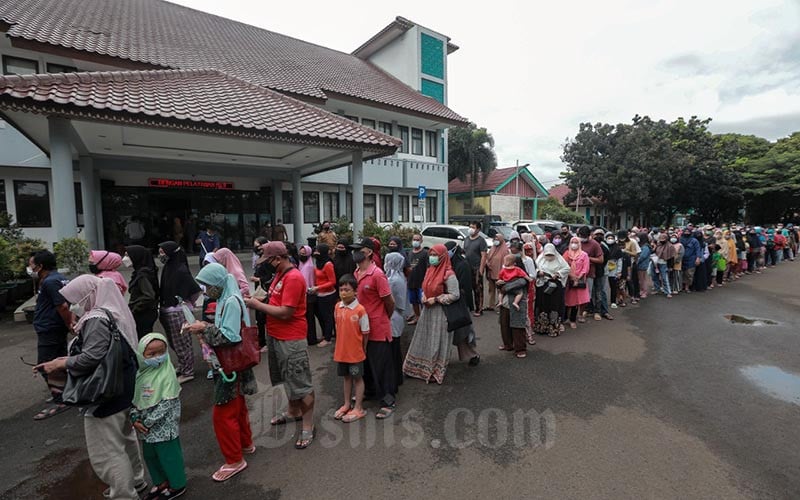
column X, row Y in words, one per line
column 72, row 255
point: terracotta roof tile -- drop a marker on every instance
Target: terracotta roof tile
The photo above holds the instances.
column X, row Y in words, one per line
column 494, row 179
column 172, row 36
column 559, row 192
column 204, row 98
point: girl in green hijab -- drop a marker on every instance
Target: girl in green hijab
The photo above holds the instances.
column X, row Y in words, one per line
column 155, row 415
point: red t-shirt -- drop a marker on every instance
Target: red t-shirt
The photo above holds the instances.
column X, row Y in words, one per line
column 509, row 275
column 594, row 250
column 325, row 279
column 352, row 323
column 372, row 288
column 288, row 289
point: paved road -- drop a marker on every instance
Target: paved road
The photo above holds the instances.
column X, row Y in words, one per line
column 656, row 404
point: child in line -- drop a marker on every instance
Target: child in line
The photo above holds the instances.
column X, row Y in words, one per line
column 155, row 415
column 719, row 263
column 509, row 273
column 352, row 333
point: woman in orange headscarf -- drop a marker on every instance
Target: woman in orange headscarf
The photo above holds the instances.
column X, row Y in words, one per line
column 429, row 351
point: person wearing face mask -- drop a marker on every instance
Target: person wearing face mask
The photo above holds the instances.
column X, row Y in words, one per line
column 156, row 414
column 728, row 244
column 576, row 296
column 287, row 346
column 613, row 268
column 209, row 243
column 596, row 258
column 630, row 251
column 599, row 302
column 234, row 266
column 105, row 264
column 261, row 278
column 110, row 439
column 342, row 259
column 324, row 290
column 692, row 253
column 418, row 264
column 675, row 274
column 475, row 248
column 551, row 281
column 396, row 245
column 429, row 352
column 494, row 262
column 395, row 273
column 52, row 320
column 230, row 416
column 143, row 287
column 305, row 265
column 177, row 286
column 464, row 337
column 561, row 239
column 327, row 237
column 664, row 254
column 375, row 294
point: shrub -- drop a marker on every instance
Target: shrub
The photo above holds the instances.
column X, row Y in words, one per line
column 343, row 228
column 16, row 248
column 72, row 254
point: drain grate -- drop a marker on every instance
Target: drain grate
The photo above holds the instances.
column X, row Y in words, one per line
column 741, row 320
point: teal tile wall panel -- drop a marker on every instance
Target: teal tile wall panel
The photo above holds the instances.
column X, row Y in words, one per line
column 432, row 55
column 433, row 89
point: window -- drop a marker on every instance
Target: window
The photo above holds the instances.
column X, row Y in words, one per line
column 430, row 209
column 19, row 66
column 404, row 138
column 431, row 143
column 310, row 207
column 60, row 68
column 330, row 206
column 416, row 141
column 403, row 208
column 33, row 203
column 369, row 207
column 287, row 201
column 348, row 199
column 78, row 204
column 3, row 205
column 352, row 118
column 387, row 214
column 385, row 127
column 368, row 123
column 415, row 211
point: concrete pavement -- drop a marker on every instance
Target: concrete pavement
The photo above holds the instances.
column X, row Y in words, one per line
column 658, row 403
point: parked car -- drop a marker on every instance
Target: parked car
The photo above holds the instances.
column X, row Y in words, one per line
column 528, row 226
column 442, row 233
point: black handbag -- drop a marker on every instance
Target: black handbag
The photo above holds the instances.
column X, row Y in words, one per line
column 580, row 284
column 457, row 314
column 106, row 381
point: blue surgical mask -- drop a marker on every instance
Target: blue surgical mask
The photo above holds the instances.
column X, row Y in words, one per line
column 433, row 260
column 451, row 253
column 156, row 361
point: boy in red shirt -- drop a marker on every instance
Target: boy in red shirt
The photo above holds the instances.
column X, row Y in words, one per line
column 352, row 334
column 509, row 273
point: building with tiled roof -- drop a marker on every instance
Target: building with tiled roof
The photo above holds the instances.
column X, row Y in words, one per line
column 593, row 209
column 511, row 192
column 179, row 117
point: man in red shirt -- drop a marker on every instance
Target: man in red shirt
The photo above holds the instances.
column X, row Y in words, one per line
column 375, row 295
column 596, row 258
column 287, row 345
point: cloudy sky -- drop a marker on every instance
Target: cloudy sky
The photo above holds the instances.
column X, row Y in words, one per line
column 530, row 72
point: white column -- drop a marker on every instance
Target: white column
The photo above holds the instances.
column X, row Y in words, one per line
column 277, row 200
column 297, row 208
column 63, row 181
column 395, row 204
column 358, row 194
column 88, row 195
column 343, row 202
column 98, row 210
column 445, row 207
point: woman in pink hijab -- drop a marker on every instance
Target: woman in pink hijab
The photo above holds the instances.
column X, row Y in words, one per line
column 104, row 264
column 227, row 258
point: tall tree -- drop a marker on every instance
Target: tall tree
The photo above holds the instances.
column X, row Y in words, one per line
column 772, row 182
column 470, row 152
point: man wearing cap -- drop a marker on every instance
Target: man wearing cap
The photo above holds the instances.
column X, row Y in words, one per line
column 287, row 345
column 375, row 295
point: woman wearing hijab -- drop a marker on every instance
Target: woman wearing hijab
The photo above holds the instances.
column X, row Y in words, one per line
column 429, row 351
column 665, row 257
column 305, row 265
column 732, row 255
column 105, row 264
column 575, row 297
column 343, row 259
column 231, row 420
column 234, row 266
column 394, row 264
column 643, row 263
column 325, row 290
column 110, row 439
column 177, row 286
column 494, row 262
column 464, row 337
column 143, row 287
column 700, row 283
column 514, row 322
column 551, row 278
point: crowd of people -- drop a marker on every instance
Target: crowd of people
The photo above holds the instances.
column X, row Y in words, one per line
column 364, row 301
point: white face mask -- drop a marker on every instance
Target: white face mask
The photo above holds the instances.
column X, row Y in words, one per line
column 126, row 261
column 77, row 310
column 574, row 246
column 471, row 231
column 31, row 272
column 495, row 243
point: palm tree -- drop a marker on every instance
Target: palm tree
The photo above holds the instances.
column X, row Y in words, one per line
column 470, row 150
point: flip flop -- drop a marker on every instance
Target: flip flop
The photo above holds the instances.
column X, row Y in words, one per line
column 521, row 354
column 384, row 412
column 353, row 415
column 249, row 450
column 228, row 471
column 51, row 411
column 341, row 412
column 306, row 437
column 284, row 418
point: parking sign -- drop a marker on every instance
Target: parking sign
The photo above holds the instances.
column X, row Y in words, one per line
column 422, row 192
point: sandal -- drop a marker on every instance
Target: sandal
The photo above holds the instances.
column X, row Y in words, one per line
column 305, row 439
column 521, row 354
column 51, row 411
column 504, row 348
column 227, row 471
column 249, row 450
column 285, row 418
column 353, row 416
column 384, row 412
column 581, row 320
column 573, row 325
column 341, row 412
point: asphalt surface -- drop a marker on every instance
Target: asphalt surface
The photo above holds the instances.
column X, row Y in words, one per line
column 663, row 402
